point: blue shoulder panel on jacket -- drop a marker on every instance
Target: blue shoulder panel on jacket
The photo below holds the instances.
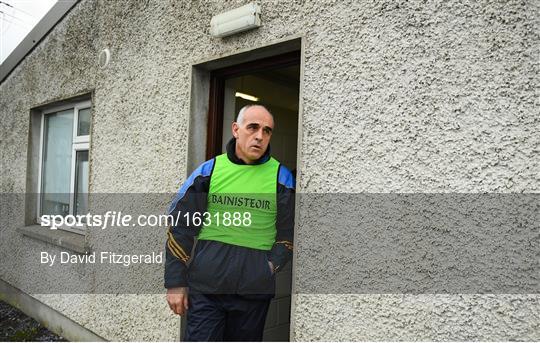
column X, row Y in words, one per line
column 204, row 169
column 285, row 177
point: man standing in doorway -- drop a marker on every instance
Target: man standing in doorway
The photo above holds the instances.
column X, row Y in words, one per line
column 240, row 206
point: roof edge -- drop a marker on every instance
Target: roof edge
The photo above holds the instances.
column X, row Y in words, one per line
column 36, row 35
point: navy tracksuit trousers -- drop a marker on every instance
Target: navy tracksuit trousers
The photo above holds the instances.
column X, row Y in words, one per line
column 230, row 289
column 225, row 317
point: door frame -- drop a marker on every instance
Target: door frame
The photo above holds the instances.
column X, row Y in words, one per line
column 203, row 113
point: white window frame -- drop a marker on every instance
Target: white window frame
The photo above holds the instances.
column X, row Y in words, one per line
column 79, row 143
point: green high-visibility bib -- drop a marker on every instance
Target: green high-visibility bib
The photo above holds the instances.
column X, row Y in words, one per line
column 242, row 204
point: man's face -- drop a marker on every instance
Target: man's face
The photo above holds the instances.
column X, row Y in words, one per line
column 253, row 134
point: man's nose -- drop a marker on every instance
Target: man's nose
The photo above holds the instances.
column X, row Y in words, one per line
column 259, row 135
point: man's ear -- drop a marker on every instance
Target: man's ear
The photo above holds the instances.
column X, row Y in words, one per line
column 235, row 128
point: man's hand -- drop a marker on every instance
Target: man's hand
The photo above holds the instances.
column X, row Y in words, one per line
column 178, row 299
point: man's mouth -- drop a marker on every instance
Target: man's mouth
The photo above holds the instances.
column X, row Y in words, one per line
column 258, row 147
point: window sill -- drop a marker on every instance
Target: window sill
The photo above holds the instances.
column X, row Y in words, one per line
column 72, row 241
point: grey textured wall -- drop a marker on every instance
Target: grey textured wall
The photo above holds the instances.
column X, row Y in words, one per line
column 435, row 96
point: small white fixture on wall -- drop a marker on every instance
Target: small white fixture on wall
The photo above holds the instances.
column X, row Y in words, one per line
column 237, row 20
column 103, row 58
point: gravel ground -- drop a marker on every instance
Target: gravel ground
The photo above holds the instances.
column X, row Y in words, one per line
column 17, row 326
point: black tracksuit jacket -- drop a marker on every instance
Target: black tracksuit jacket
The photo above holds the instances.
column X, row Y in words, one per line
column 214, row 267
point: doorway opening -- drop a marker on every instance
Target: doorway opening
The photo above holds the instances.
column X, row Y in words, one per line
column 270, row 81
column 273, row 82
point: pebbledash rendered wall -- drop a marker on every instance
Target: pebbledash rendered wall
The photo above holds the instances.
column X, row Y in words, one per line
column 396, row 96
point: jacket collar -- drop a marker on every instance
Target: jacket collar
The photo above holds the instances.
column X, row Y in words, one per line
column 231, row 154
